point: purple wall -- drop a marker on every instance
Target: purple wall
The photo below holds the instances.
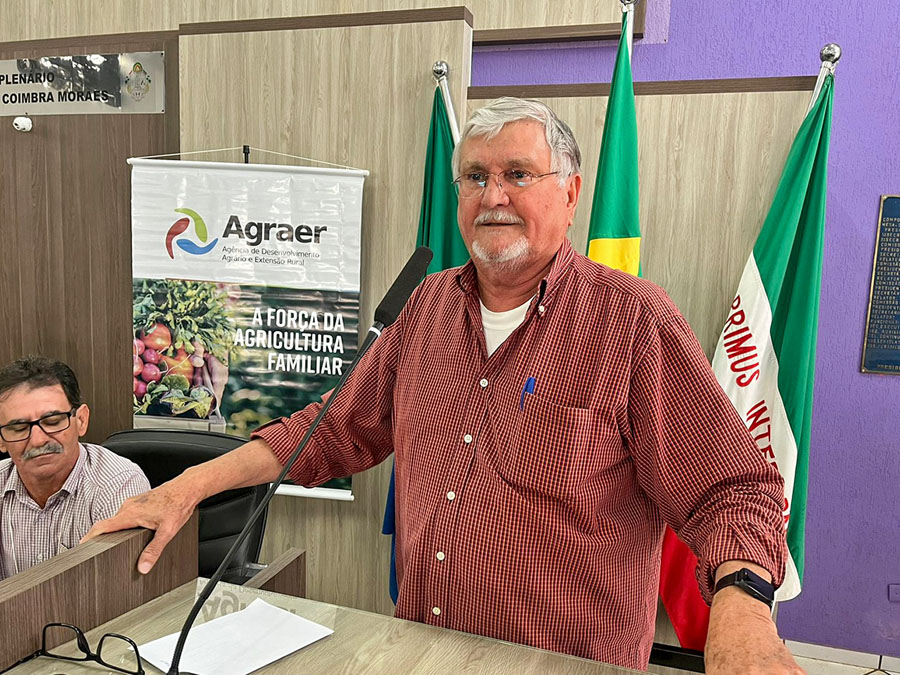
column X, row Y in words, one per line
column 853, row 525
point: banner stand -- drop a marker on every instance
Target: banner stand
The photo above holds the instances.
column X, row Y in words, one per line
column 246, row 283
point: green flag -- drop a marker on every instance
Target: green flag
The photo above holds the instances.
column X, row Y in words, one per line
column 766, row 356
column 614, row 235
column 437, row 220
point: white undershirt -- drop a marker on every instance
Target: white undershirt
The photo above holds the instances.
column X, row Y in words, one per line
column 499, row 325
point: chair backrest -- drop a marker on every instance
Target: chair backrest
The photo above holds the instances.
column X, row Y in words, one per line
column 164, row 453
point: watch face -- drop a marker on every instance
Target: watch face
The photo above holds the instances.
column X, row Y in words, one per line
column 755, row 585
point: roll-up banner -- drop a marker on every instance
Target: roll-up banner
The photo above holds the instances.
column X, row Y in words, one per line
column 246, row 293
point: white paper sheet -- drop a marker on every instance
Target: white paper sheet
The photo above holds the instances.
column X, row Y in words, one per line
column 238, row 643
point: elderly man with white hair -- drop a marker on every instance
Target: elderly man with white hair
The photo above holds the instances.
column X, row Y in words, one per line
column 548, row 416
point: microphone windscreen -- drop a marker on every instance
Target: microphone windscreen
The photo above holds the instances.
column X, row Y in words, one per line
column 405, row 283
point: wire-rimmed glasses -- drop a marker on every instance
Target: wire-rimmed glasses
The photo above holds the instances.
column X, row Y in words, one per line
column 472, row 185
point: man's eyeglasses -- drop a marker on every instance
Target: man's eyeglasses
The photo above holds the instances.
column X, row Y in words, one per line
column 473, row 184
column 112, row 647
column 50, row 424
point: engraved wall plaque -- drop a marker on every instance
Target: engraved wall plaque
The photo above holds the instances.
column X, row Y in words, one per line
column 881, row 346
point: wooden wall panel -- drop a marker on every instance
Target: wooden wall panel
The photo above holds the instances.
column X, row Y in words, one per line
column 27, row 20
column 66, row 213
column 708, row 168
column 488, row 14
column 367, row 105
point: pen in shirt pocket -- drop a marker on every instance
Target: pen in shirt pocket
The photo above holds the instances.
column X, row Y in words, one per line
column 527, row 389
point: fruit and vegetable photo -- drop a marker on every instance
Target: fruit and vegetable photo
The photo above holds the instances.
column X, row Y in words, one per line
column 183, row 336
column 202, row 351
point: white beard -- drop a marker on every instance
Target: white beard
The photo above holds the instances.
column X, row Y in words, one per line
column 508, row 257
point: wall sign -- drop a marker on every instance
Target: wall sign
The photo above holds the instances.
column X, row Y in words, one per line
column 88, row 84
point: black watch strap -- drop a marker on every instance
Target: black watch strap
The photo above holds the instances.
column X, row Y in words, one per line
column 752, row 584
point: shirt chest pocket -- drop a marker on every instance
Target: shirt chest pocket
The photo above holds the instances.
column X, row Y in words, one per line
column 554, row 449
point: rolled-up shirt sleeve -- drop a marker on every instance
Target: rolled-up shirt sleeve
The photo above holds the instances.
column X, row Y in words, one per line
column 696, row 459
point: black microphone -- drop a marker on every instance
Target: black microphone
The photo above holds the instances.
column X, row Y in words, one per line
column 386, row 313
column 405, row 283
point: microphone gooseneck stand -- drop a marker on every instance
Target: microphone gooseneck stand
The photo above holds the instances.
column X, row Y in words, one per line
column 386, row 313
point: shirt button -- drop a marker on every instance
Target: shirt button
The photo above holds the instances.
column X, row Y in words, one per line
column 467, row 438
column 451, row 496
column 483, row 383
column 436, row 611
column 541, row 309
column 440, row 555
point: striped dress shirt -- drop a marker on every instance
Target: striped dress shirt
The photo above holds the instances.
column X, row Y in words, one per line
column 95, row 488
column 532, row 485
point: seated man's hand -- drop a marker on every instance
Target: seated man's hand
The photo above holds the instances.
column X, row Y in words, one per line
column 164, row 509
column 742, row 638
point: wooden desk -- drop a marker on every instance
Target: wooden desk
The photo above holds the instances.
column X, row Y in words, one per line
column 363, row 642
column 89, row 584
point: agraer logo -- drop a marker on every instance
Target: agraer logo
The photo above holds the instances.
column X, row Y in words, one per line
column 187, row 245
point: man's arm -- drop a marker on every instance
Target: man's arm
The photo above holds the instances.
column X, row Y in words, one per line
column 354, row 436
column 167, row 508
column 697, row 461
column 742, row 637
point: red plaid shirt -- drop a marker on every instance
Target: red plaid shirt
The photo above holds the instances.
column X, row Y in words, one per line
column 538, row 517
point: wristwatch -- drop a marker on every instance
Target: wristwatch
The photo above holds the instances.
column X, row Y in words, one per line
column 752, row 584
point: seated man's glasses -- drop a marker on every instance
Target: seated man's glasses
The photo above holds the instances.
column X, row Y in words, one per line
column 473, row 184
column 112, row 647
column 52, row 423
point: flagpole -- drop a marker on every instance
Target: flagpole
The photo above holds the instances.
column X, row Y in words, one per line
column 440, row 70
column 830, row 55
column 628, row 10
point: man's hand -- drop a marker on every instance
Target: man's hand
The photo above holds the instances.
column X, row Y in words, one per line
column 165, row 509
column 742, row 637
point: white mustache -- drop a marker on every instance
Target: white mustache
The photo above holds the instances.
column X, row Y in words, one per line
column 49, row 448
column 498, row 217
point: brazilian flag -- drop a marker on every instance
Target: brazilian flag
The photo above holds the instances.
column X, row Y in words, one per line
column 614, row 235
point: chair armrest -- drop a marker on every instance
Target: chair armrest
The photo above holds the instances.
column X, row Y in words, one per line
column 677, row 657
column 241, row 574
column 286, row 574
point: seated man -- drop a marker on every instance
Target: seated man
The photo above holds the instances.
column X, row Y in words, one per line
column 52, row 488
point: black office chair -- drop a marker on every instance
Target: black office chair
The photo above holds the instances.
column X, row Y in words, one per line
column 162, row 454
